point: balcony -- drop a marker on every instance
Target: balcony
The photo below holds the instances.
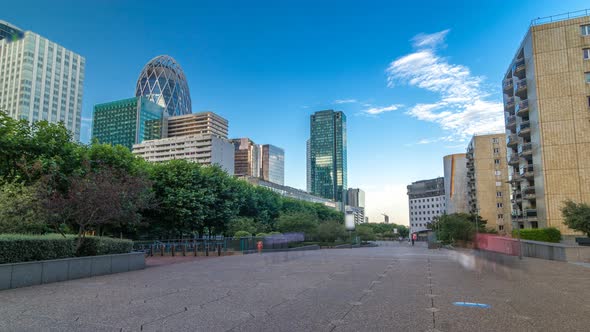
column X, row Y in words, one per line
column 524, row 129
column 527, row 172
column 530, row 196
column 511, row 122
column 512, row 140
column 520, row 87
column 507, row 85
column 525, row 150
column 522, row 108
column 518, row 69
column 513, row 160
column 509, row 104
column 528, row 190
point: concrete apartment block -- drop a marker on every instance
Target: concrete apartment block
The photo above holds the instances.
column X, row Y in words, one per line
column 547, row 111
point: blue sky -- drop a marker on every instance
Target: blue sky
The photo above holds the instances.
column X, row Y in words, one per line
column 414, row 78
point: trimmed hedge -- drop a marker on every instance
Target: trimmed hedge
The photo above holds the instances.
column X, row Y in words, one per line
column 16, row 248
column 550, row 234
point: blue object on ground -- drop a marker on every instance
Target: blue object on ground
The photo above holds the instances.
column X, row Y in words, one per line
column 471, row 304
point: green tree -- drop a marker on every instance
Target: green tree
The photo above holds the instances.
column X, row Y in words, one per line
column 298, row 222
column 20, row 210
column 330, row 231
column 453, row 227
column 242, row 224
column 365, row 232
column 576, row 216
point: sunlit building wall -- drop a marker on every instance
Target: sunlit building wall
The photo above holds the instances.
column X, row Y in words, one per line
column 455, row 170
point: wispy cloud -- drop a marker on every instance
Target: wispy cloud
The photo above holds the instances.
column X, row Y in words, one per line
column 85, row 119
column 345, row 101
column 430, row 40
column 379, row 110
column 464, row 107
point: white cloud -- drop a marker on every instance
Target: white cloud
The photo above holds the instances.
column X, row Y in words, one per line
column 345, row 101
column 379, row 110
column 463, row 107
column 85, row 119
column 430, row 40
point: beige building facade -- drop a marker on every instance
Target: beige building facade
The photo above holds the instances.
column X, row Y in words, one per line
column 197, row 124
column 487, row 181
column 547, row 112
column 455, row 170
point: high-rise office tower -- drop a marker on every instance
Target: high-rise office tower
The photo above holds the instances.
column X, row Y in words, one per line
column 247, row 159
column 272, row 164
column 426, row 199
column 455, row 169
column 547, row 114
column 39, row 79
column 327, row 155
column 355, row 201
column 308, row 166
column 128, row 121
column 487, row 184
column 163, row 82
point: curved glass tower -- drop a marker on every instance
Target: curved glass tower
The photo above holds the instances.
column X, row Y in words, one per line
column 163, row 82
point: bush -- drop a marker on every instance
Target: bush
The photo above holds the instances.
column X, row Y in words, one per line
column 261, row 235
column 330, row 231
column 366, row 233
column 240, row 234
column 551, row 234
column 95, row 245
column 24, row 248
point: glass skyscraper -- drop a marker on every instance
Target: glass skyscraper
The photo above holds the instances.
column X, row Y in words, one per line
column 128, row 121
column 39, row 79
column 273, row 164
column 163, row 82
column 327, row 155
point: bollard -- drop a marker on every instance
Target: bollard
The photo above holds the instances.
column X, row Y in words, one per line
column 184, row 250
column 207, row 250
column 218, row 250
column 162, row 250
column 195, row 248
column 151, row 250
column 172, row 249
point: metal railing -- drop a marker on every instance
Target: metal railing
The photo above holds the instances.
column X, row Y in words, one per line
column 560, row 17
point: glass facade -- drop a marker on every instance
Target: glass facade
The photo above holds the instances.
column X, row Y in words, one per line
column 163, row 82
column 273, row 164
column 128, row 121
column 327, row 155
column 39, row 79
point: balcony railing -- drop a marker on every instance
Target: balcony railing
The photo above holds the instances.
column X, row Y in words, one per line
column 523, row 128
column 507, row 84
column 512, row 140
column 528, row 190
column 511, row 122
column 530, row 196
column 525, row 149
column 509, row 102
column 520, row 86
column 513, row 160
column 522, row 108
column 518, row 67
column 527, row 171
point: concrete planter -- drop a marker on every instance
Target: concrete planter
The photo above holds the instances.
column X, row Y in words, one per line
column 43, row 272
column 555, row 251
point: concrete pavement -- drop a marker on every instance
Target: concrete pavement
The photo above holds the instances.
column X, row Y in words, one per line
column 390, row 288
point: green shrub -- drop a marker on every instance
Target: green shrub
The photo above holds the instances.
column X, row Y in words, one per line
column 330, row 231
column 240, row 234
column 24, row 248
column 261, row 235
column 96, row 245
column 551, row 234
column 275, row 233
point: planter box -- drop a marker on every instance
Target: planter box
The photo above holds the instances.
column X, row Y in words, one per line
column 583, row 241
column 42, row 272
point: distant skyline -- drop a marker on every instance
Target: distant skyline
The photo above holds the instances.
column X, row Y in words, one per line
column 415, row 80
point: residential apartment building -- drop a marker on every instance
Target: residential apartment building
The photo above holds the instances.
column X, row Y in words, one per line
column 39, row 79
column 203, row 149
column 246, row 157
column 455, row 171
column 327, row 155
column 272, row 164
column 129, row 121
column 547, row 112
column 488, row 188
column 426, row 200
column 197, row 123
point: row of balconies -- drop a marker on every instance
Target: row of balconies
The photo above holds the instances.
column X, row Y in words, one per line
column 524, row 129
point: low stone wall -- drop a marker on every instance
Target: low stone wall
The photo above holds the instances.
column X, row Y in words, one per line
column 303, row 248
column 555, row 251
column 43, row 272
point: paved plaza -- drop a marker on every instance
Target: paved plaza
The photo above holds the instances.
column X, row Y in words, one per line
column 394, row 287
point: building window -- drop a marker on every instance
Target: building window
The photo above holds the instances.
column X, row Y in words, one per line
column 501, row 227
column 588, row 101
column 498, row 194
column 497, row 161
column 498, row 173
column 586, row 53
column 587, row 76
column 495, row 140
column 500, row 216
column 498, row 184
column 500, row 205
column 585, row 30
column 496, row 150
